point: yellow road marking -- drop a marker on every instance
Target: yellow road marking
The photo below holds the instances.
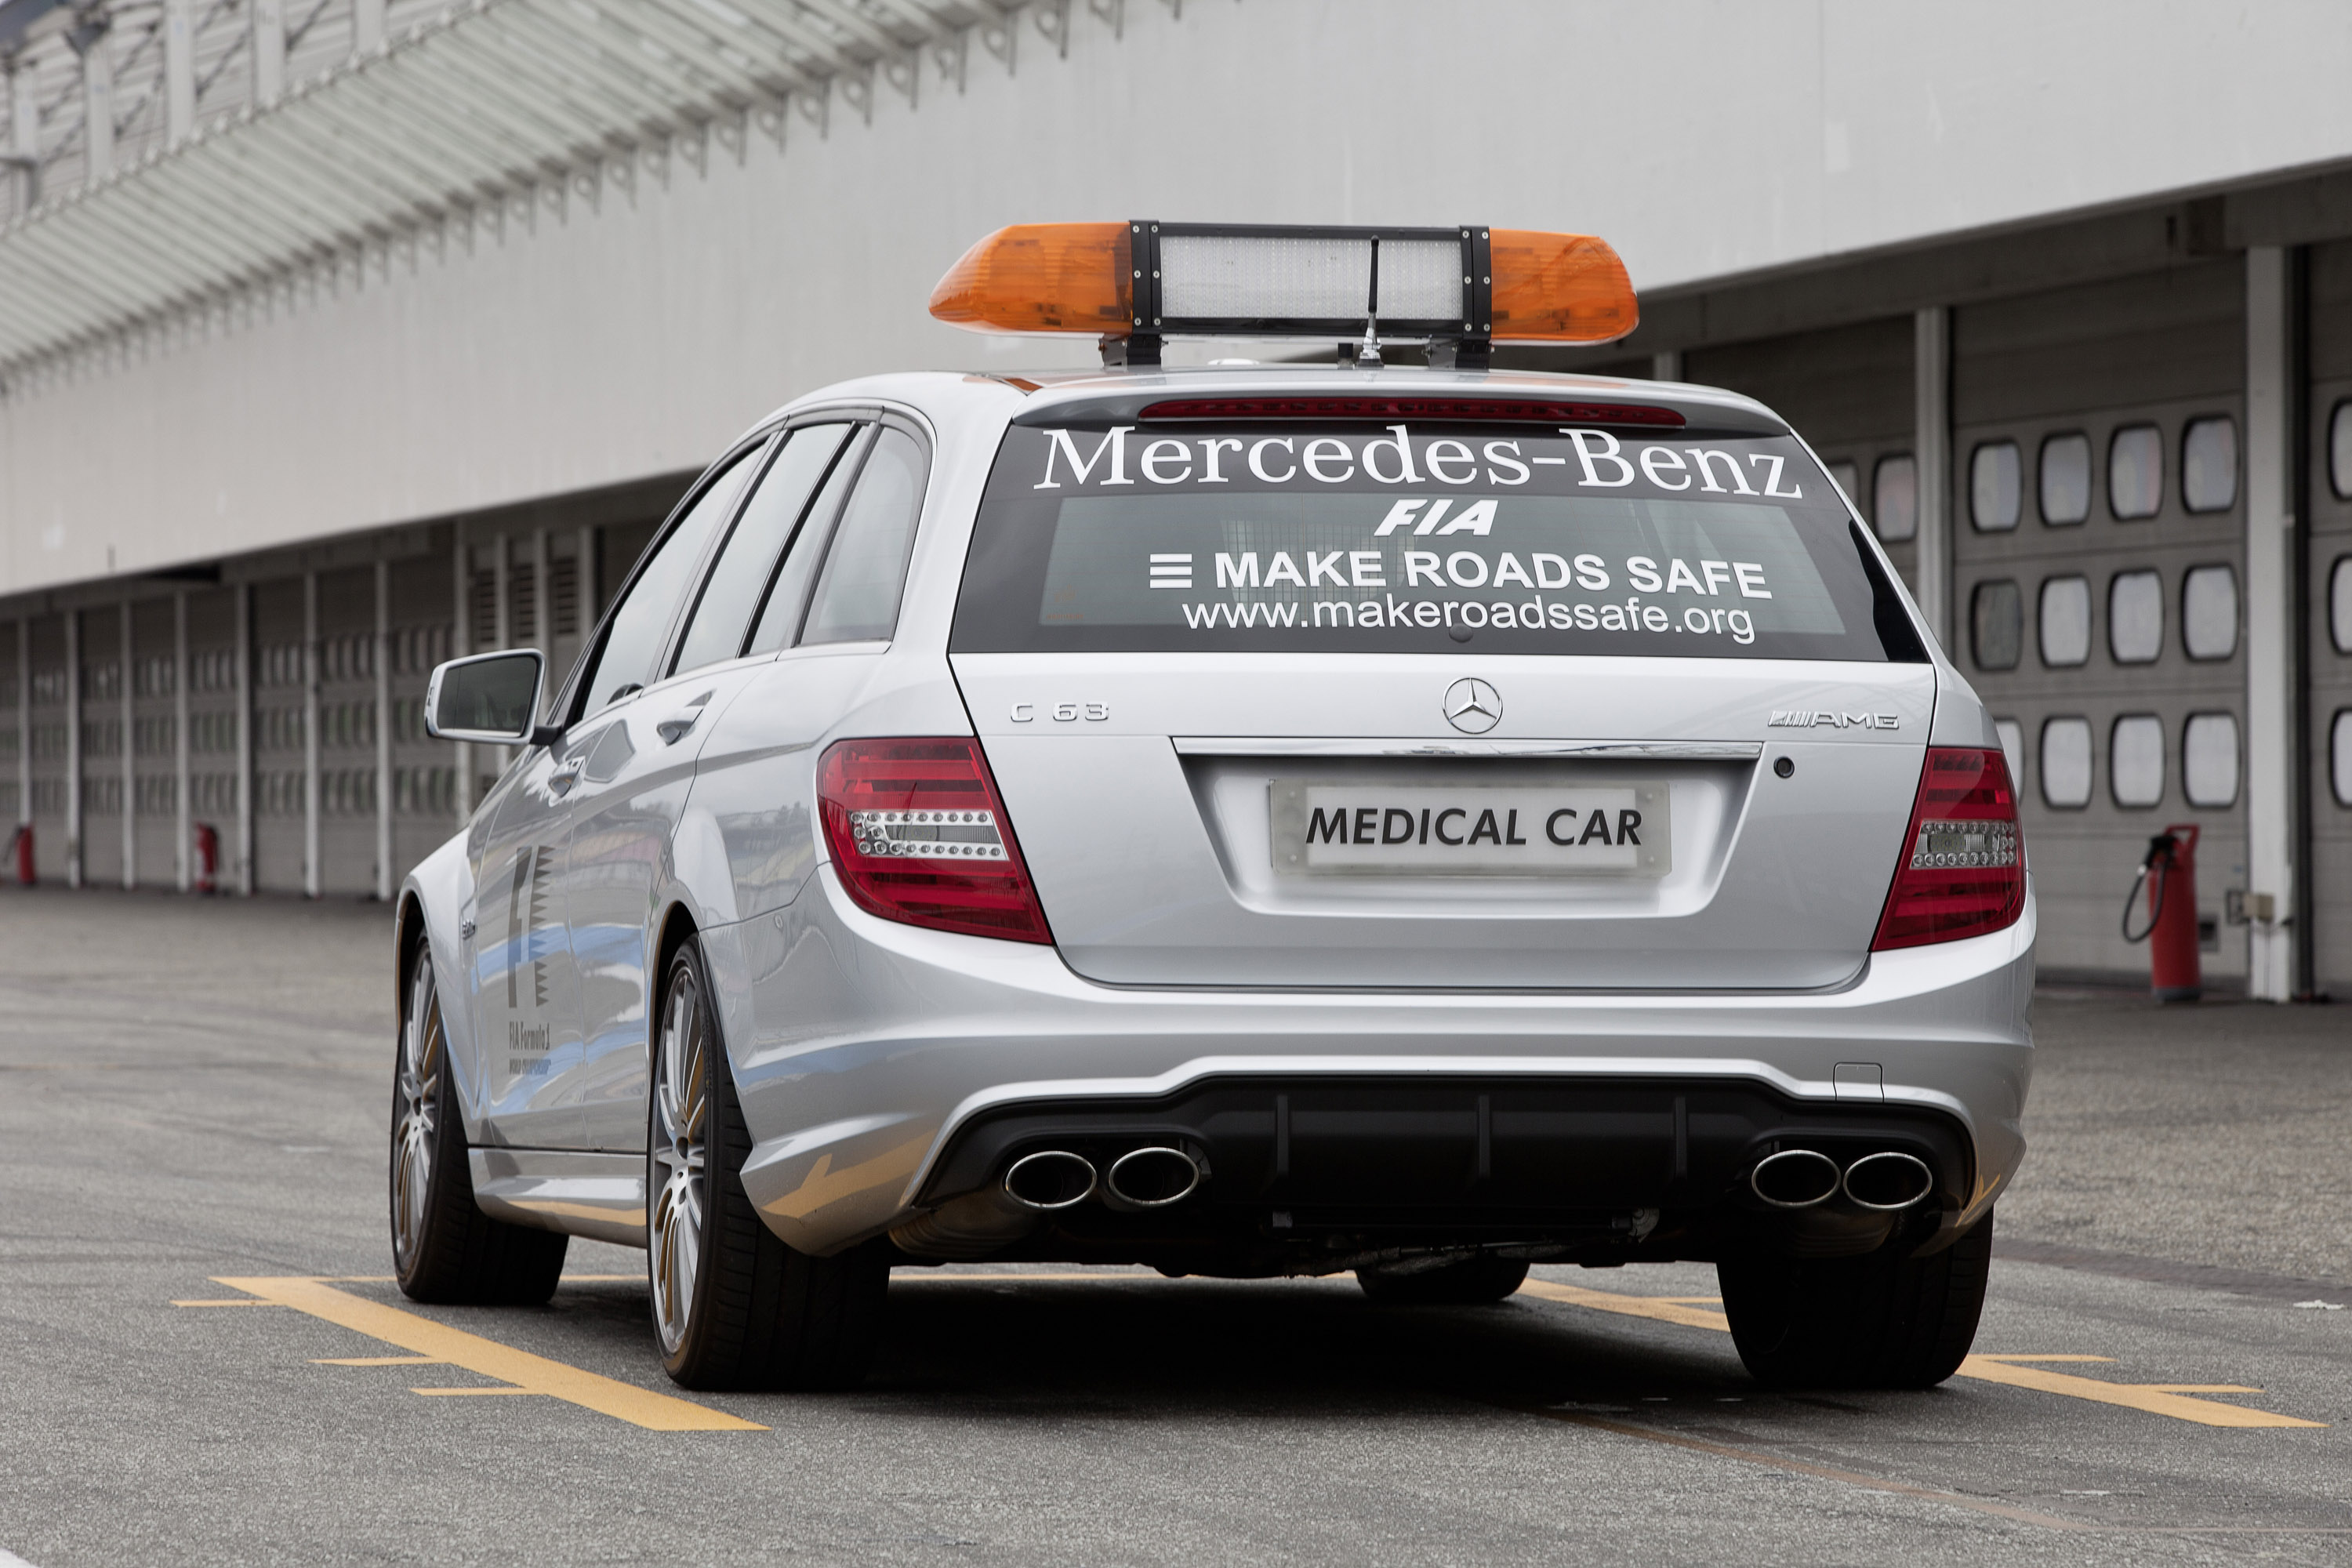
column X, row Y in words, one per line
column 488, row 1358
column 2155, row 1399
column 374, row 1361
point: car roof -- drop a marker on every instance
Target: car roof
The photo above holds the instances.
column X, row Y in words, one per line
column 1006, row 394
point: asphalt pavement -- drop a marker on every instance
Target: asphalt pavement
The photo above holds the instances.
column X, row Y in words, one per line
column 200, row 1360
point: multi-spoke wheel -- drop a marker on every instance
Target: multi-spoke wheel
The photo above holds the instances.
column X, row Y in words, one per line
column 735, row 1307
column 444, row 1247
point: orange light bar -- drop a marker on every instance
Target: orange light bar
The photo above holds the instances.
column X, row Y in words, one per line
column 1042, row 277
column 1559, row 288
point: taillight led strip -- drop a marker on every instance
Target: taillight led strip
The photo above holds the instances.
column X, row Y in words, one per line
column 919, row 834
column 1962, row 872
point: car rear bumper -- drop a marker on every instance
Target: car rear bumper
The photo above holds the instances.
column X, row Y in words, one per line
column 872, row 1058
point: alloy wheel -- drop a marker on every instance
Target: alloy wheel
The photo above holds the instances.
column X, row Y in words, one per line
column 423, row 1051
column 678, row 1152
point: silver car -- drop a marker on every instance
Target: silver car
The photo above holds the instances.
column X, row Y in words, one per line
column 1244, row 821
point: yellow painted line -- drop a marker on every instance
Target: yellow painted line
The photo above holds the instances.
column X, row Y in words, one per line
column 374, row 1361
column 2155, row 1399
column 488, row 1358
column 446, row 1390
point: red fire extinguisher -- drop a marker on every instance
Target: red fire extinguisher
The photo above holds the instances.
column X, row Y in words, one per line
column 20, row 852
column 2169, row 874
column 208, row 851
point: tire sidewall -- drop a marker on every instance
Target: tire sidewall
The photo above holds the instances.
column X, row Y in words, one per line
column 686, row 961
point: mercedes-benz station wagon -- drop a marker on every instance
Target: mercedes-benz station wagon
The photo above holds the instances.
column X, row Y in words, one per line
column 1250, row 820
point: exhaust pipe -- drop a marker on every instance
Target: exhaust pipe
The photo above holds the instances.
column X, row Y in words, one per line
column 1053, row 1179
column 1152, row 1178
column 1888, row 1181
column 1795, row 1178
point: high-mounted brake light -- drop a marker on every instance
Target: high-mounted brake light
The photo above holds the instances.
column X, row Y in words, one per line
column 1486, row 410
column 1963, row 868
column 1458, row 290
column 919, row 834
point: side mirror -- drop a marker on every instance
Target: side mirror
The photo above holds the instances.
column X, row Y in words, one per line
column 491, row 696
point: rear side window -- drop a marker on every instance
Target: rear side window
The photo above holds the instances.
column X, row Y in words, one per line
column 731, row 593
column 856, row 595
column 1419, row 539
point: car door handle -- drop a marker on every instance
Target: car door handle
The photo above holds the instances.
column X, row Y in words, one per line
column 674, row 728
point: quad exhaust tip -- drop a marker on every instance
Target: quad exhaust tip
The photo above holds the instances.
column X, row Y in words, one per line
column 1801, row 1178
column 1053, row 1179
column 1152, row 1178
column 1888, row 1181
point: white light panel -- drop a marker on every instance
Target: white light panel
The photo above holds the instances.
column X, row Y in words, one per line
column 1279, row 278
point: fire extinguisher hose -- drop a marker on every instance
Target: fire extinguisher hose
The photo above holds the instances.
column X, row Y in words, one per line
column 2160, row 863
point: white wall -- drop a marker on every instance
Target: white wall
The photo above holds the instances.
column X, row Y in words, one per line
column 1706, row 140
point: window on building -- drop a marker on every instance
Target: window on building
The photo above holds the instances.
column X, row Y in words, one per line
column 2135, row 759
column 2135, row 472
column 2136, row 616
column 2208, row 612
column 2065, row 621
column 1894, row 497
column 2339, row 450
column 2012, row 749
column 2209, row 760
column 2208, row 464
column 1994, row 486
column 1997, row 623
column 2339, row 604
column 2066, row 764
column 2066, row 479
column 2339, row 769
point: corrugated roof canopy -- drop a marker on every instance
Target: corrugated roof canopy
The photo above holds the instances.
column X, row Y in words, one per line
column 496, row 108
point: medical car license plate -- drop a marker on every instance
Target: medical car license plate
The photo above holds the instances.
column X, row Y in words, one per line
column 1336, row 828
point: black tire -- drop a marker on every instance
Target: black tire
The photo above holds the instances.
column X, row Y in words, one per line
column 1473, row 1282
column 444, row 1247
column 734, row 1307
column 1858, row 1322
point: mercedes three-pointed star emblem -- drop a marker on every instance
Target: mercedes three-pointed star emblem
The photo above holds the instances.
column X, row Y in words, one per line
column 1472, row 707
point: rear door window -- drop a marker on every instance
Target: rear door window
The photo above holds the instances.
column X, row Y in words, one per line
column 747, row 563
column 1419, row 539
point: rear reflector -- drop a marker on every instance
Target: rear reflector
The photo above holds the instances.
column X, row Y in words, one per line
column 919, row 834
column 1492, row 411
column 1963, row 869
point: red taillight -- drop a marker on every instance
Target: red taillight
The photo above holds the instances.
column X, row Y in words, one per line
column 1963, row 869
column 919, row 834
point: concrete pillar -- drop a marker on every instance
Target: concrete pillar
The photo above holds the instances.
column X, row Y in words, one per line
column 97, row 98
column 2270, row 653
column 502, row 628
column 183, row 810
column 179, row 71
column 244, row 739
column 367, row 26
column 1666, row 364
column 1932, row 444
column 381, row 726
column 269, row 52
column 73, row 748
column 461, row 643
column 313, row 878
column 127, row 692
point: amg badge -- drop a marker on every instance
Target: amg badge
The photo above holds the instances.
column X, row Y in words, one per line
column 1806, row 718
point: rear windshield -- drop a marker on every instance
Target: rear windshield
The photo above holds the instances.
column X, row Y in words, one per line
column 1418, row 539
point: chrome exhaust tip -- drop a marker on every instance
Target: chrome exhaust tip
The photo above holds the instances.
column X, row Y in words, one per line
column 1050, row 1179
column 1152, row 1178
column 1889, row 1180
column 1794, row 1178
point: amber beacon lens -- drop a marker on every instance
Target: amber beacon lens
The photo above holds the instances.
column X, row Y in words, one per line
column 1559, row 288
column 1042, row 277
